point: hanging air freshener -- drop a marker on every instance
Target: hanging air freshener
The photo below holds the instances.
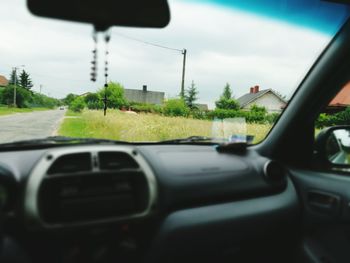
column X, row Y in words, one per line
column 107, row 38
column 94, row 57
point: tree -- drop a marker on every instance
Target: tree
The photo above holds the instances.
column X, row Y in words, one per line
column 115, row 95
column 227, row 94
column 23, row 96
column 226, row 101
column 69, row 98
column 91, row 97
column 93, row 101
column 227, row 104
column 41, row 100
column 77, row 105
column 191, row 96
column 25, row 81
column 13, row 77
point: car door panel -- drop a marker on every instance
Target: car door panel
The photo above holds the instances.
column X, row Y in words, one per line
column 325, row 198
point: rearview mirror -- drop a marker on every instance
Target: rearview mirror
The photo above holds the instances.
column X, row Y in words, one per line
column 333, row 145
column 105, row 13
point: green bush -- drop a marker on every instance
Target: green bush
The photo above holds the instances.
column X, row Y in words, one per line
column 69, row 99
column 254, row 117
column 272, row 117
column 200, row 114
column 260, row 109
column 324, row 120
column 115, row 95
column 94, row 105
column 1, row 95
column 23, row 96
column 227, row 104
column 26, row 98
column 77, row 105
column 145, row 107
column 93, row 101
column 176, row 107
column 223, row 114
column 40, row 100
column 340, row 118
column 250, row 116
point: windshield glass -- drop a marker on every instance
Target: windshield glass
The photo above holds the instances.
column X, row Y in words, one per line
column 221, row 69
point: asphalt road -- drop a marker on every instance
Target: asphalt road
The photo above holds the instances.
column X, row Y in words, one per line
column 32, row 125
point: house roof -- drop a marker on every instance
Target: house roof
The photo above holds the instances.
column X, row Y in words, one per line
column 250, row 97
column 3, row 81
column 140, row 90
column 84, row 94
column 342, row 98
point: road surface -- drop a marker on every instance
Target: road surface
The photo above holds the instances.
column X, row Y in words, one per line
column 32, row 125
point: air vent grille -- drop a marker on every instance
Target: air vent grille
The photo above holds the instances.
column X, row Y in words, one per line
column 71, row 163
column 116, row 161
column 91, row 197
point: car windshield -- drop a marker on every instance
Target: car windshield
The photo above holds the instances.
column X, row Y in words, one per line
column 221, row 70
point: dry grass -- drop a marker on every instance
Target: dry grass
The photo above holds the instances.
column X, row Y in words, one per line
column 150, row 127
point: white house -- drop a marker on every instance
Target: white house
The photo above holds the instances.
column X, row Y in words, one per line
column 267, row 98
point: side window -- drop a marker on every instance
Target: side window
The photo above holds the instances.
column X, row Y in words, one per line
column 332, row 130
column 337, row 112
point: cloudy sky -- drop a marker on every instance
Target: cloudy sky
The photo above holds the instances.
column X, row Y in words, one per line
column 225, row 45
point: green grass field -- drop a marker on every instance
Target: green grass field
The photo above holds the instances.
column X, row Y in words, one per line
column 148, row 127
column 7, row 110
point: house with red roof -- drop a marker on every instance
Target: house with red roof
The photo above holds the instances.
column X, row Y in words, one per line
column 340, row 101
column 3, row 81
column 267, row 98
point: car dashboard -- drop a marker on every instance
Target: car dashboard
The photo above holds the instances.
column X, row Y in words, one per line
column 143, row 203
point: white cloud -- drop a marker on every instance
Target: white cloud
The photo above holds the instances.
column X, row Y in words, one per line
column 223, row 45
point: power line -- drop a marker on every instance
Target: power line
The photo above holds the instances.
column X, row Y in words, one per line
column 149, row 43
column 183, row 52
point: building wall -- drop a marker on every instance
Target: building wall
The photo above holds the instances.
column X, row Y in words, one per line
column 270, row 101
column 153, row 97
column 201, row 106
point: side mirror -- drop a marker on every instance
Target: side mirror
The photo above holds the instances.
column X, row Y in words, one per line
column 333, row 145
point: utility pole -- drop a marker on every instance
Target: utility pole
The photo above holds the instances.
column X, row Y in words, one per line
column 184, row 52
column 14, row 88
column 41, row 87
column 105, row 100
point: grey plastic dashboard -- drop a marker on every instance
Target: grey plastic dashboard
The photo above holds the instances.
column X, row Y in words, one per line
column 197, row 175
column 186, row 175
column 199, row 192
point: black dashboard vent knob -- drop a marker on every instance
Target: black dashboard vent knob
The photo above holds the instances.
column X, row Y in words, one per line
column 274, row 171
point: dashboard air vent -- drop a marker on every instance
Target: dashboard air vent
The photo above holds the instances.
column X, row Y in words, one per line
column 71, row 163
column 116, row 161
column 274, row 171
